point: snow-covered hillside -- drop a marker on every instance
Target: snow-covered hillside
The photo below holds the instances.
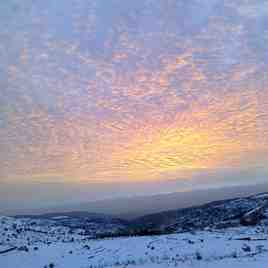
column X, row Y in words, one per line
column 60, row 241
column 244, row 246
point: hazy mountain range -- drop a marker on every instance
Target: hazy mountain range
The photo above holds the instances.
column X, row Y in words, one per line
column 133, row 207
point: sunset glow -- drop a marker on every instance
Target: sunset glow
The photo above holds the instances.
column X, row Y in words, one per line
column 131, row 92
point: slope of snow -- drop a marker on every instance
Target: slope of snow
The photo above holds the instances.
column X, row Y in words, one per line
column 238, row 247
column 263, row 195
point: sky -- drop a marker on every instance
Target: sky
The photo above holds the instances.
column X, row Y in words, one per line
column 104, row 98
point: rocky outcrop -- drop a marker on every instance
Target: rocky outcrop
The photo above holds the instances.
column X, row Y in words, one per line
column 253, row 217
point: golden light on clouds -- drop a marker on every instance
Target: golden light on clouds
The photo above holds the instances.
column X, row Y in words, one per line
column 131, row 94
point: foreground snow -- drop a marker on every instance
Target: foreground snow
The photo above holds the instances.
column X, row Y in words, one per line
column 239, row 247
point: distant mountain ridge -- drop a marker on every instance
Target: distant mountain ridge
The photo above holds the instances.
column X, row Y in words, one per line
column 219, row 214
column 134, row 207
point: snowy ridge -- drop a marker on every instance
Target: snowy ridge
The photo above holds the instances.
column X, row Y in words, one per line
column 56, row 241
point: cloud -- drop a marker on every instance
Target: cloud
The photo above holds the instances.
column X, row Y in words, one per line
column 106, row 101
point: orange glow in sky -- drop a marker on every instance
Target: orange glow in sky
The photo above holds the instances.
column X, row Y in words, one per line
column 132, row 92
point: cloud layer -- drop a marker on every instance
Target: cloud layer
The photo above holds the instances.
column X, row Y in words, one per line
column 107, row 91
